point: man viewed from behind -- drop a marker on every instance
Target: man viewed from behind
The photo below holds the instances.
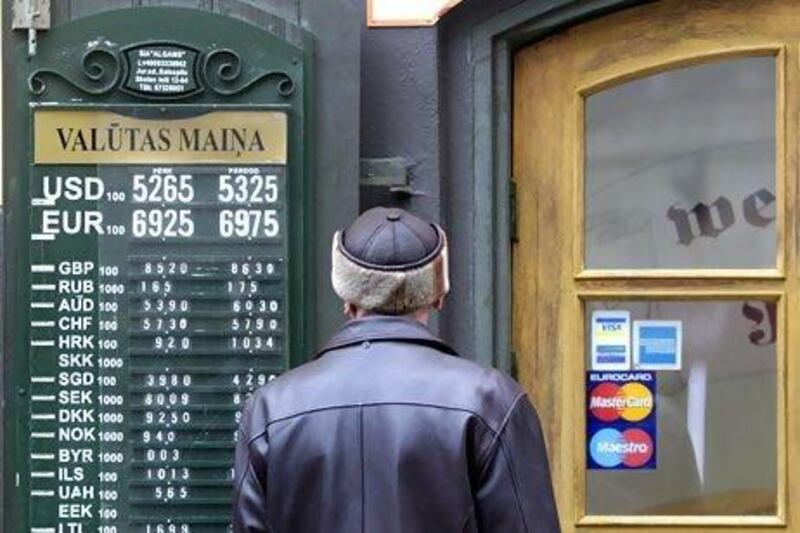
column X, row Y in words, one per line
column 388, row 430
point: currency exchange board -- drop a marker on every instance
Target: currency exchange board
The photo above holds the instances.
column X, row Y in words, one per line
column 157, row 301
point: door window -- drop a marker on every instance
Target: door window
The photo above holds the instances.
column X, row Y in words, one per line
column 680, row 169
column 715, row 438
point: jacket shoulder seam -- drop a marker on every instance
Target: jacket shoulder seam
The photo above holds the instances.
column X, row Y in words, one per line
column 514, row 484
column 497, row 446
column 484, row 461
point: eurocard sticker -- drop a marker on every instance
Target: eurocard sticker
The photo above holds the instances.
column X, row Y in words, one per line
column 657, row 344
column 611, row 340
column 621, row 420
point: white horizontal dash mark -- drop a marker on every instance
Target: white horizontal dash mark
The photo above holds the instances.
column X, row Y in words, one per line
column 43, row 397
column 43, row 201
column 42, row 343
column 43, row 456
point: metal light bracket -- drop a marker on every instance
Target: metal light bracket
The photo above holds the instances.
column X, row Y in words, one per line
column 31, row 15
column 390, row 173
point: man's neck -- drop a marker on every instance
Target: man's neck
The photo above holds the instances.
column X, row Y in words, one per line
column 421, row 315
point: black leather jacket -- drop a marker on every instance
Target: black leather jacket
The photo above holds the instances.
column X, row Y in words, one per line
column 388, row 432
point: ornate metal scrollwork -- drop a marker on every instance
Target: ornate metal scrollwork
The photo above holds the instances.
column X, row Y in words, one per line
column 222, row 69
column 104, row 70
column 101, row 67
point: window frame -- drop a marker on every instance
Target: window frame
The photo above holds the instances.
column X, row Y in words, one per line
column 616, row 79
column 578, row 407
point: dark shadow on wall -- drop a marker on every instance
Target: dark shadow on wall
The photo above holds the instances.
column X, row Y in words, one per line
column 400, row 114
column 417, row 103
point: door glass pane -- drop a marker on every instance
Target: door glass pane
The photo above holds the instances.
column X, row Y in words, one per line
column 714, row 419
column 680, row 169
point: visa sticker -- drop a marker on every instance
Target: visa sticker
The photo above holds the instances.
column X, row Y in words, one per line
column 657, row 344
column 611, row 340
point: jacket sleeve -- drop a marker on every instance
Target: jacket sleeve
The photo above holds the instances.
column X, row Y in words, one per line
column 515, row 494
column 249, row 477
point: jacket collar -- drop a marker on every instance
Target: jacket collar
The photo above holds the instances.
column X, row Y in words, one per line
column 384, row 328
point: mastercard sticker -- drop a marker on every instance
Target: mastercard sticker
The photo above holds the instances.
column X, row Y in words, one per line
column 621, row 420
column 631, row 402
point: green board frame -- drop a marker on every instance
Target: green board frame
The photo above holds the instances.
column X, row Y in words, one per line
column 80, row 65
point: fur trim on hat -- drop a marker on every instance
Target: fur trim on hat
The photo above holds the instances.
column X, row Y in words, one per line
column 390, row 292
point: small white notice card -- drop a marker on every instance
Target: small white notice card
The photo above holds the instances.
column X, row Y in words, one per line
column 611, row 340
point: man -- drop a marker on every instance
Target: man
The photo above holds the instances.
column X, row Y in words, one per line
column 387, row 430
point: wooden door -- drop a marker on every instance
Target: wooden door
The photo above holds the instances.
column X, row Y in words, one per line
column 655, row 155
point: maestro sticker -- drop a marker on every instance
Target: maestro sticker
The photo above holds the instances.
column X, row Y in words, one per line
column 611, row 340
column 629, row 448
column 621, row 420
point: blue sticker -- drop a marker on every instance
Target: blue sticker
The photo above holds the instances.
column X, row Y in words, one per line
column 657, row 344
column 632, row 448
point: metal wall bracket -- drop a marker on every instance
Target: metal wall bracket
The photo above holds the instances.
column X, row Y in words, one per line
column 390, row 173
column 31, row 15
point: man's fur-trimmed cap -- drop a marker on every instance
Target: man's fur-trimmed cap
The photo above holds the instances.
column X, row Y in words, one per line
column 390, row 262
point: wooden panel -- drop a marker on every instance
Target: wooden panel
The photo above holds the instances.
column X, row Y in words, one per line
column 541, row 288
column 551, row 77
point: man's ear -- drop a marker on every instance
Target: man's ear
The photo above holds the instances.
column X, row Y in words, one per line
column 350, row 310
column 439, row 303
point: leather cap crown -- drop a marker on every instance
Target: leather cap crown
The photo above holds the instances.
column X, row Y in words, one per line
column 390, row 261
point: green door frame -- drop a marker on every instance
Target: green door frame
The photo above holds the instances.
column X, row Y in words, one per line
column 494, row 43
